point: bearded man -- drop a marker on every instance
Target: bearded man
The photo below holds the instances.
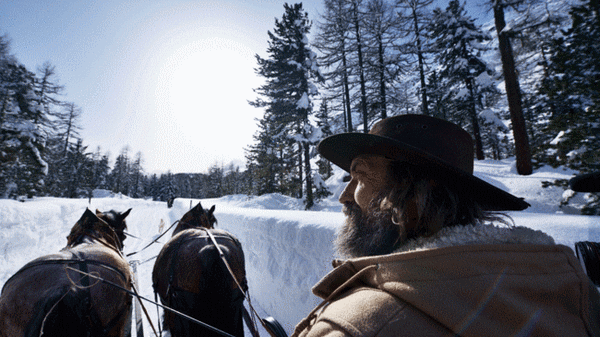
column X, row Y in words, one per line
column 429, row 254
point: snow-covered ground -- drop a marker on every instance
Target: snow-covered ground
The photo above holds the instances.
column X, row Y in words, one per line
column 287, row 249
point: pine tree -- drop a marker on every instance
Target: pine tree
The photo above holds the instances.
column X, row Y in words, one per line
column 167, row 190
column 282, row 138
column 324, row 124
column 572, row 88
column 572, row 91
column 356, row 20
column 262, row 159
column 414, row 17
column 513, row 90
column 459, row 45
column 78, row 171
column 66, row 123
column 136, row 173
column 531, row 32
column 55, row 185
column 119, row 176
column 334, row 45
column 215, row 181
column 47, row 89
column 383, row 63
column 101, row 170
column 23, row 165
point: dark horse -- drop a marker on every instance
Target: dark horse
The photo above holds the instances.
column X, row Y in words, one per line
column 190, row 277
column 53, row 296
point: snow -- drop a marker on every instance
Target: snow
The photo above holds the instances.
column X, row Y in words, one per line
column 303, row 102
column 558, row 138
column 287, row 249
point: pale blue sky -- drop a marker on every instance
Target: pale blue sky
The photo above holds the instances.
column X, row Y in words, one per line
column 168, row 78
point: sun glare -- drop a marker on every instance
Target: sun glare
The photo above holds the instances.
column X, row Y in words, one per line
column 202, row 96
column 193, row 71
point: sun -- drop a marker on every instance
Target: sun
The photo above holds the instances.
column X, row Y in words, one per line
column 202, row 95
column 197, row 74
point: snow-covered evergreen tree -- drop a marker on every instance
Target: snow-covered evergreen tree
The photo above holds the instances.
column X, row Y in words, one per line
column 414, row 17
column 283, row 139
column 572, row 92
column 335, row 47
column 459, row 46
column 23, row 166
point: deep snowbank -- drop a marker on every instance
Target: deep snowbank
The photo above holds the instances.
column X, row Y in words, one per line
column 286, row 251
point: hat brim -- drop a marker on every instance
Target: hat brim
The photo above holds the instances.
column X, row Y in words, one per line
column 341, row 149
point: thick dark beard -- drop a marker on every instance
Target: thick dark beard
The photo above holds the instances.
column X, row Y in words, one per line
column 368, row 234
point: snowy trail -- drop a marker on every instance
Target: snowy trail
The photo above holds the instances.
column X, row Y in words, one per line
column 286, row 251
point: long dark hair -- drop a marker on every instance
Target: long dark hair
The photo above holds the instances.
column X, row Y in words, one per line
column 423, row 204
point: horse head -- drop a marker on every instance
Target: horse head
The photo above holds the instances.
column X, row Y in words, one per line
column 108, row 226
column 115, row 220
column 197, row 217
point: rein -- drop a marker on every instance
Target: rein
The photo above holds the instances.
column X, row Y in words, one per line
column 153, row 241
column 92, row 320
column 67, row 262
column 268, row 323
column 135, row 293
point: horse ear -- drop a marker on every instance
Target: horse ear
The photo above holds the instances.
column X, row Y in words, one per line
column 211, row 210
column 125, row 214
column 199, row 206
column 88, row 218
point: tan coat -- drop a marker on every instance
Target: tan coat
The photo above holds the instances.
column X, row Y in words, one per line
column 466, row 284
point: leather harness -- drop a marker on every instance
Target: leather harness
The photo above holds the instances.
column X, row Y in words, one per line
column 177, row 294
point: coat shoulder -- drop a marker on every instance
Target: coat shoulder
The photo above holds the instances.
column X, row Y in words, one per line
column 373, row 312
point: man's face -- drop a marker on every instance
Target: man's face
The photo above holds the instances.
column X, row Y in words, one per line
column 369, row 176
column 368, row 230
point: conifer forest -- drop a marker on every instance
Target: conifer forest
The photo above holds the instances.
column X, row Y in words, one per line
column 525, row 83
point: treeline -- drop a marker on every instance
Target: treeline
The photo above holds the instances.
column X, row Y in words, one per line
column 527, row 84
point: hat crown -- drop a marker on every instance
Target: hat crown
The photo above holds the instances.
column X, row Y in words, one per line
column 436, row 137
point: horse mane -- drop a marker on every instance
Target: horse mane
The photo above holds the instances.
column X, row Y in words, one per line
column 93, row 225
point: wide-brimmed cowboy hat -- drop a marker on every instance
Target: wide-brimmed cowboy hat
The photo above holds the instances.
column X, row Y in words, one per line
column 442, row 148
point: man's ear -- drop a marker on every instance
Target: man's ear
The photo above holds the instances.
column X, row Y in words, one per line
column 386, row 204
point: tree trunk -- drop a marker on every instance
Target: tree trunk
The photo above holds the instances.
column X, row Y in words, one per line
column 421, row 65
column 300, row 168
column 347, row 93
column 363, row 93
column 476, row 132
column 382, row 93
column 309, row 181
column 513, row 94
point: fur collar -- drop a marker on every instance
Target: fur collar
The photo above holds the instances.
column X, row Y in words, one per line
column 476, row 235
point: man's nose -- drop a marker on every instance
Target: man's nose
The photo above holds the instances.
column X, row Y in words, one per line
column 347, row 195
